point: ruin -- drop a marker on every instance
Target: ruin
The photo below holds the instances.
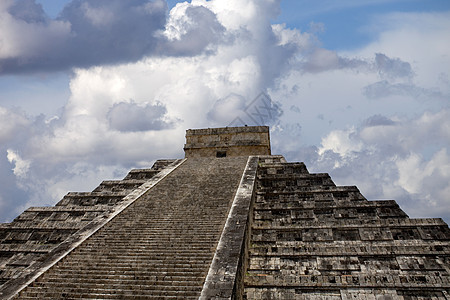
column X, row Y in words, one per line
column 229, row 221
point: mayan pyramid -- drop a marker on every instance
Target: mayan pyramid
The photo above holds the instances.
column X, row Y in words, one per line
column 229, row 221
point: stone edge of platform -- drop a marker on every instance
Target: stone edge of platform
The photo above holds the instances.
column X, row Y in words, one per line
column 225, row 267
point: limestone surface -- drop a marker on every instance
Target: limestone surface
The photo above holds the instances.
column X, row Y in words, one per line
column 311, row 239
column 230, row 221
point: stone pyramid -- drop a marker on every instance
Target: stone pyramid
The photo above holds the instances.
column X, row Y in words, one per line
column 229, row 221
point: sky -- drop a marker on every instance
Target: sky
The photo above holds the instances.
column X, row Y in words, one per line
column 358, row 89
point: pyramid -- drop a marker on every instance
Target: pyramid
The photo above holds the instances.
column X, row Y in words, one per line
column 229, row 221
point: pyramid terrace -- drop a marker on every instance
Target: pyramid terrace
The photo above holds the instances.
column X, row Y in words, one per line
column 228, row 221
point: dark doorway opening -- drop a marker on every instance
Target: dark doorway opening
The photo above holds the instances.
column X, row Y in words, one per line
column 221, row 154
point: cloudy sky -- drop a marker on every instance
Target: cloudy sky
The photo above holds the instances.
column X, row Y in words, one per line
column 358, row 89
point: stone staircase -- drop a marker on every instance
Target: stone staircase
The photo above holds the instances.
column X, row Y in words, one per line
column 311, row 239
column 31, row 237
column 160, row 246
column 154, row 235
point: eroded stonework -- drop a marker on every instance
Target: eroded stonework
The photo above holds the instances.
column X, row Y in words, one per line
column 227, row 141
column 230, row 221
column 311, row 239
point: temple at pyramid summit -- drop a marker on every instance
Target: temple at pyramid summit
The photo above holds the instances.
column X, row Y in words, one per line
column 228, row 221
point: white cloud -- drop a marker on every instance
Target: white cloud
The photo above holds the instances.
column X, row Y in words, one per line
column 415, row 134
column 337, row 115
column 417, row 38
column 227, row 108
column 253, row 16
column 340, row 142
column 179, row 22
column 80, row 176
column 427, row 181
column 86, row 33
column 25, row 36
column 406, row 160
column 192, row 29
column 322, row 60
column 130, row 116
column 287, row 36
column 10, row 124
column 391, row 68
column 101, row 16
column 383, row 89
column 21, row 166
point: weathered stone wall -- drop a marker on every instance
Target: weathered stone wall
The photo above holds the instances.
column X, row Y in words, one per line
column 289, row 234
column 314, row 240
column 227, row 141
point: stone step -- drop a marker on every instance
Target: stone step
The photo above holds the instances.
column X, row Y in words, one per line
column 98, row 208
column 115, row 186
column 167, row 242
column 48, row 225
column 58, row 213
column 350, row 234
column 377, row 247
column 118, row 283
column 148, row 269
column 120, row 293
column 164, row 238
column 25, row 247
column 156, row 274
column 93, row 274
column 131, row 265
column 146, row 249
column 96, row 296
column 91, row 199
column 170, row 231
column 347, row 281
column 282, row 168
column 141, row 262
column 141, row 174
column 154, row 247
column 151, row 245
column 284, row 176
column 111, row 259
column 358, row 223
column 160, row 226
column 162, row 163
column 328, row 210
column 347, row 264
column 161, row 234
column 337, row 190
column 96, row 194
column 293, row 189
column 292, row 181
column 144, row 254
column 294, row 205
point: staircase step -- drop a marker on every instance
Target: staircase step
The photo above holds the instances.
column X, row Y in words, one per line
column 160, row 246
